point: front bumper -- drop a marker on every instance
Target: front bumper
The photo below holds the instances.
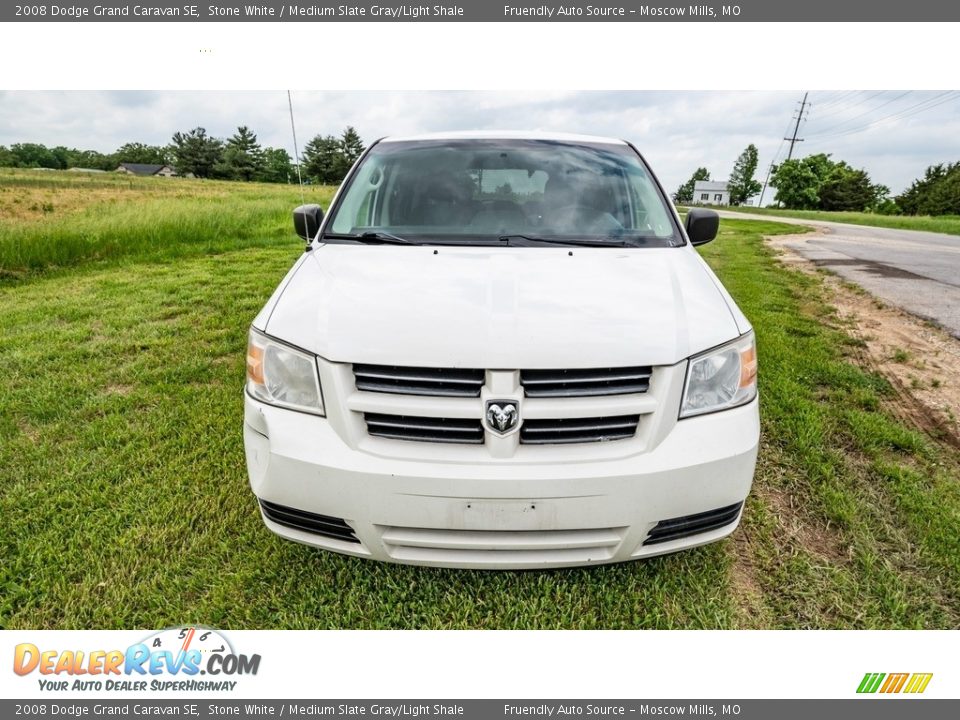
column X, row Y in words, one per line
column 501, row 514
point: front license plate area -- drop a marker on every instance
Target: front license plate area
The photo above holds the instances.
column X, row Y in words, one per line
column 506, row 514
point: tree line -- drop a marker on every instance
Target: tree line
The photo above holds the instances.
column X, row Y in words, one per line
column 818, row 182
column 325, row 159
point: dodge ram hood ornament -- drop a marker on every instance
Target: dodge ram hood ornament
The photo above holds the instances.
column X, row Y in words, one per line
column 502, row 415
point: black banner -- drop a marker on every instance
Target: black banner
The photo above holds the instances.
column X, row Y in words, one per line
column 874, row 708
column 484, row 11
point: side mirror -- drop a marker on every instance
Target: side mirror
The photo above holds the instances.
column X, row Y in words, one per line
column 702, row 225
column 306, row 220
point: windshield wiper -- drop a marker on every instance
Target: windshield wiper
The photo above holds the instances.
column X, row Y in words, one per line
column 532, row 239
column 372, row 236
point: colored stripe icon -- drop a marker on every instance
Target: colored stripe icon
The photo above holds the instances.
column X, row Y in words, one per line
column 894, row 683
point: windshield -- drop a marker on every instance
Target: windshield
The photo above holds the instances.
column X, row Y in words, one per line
column 479, row 191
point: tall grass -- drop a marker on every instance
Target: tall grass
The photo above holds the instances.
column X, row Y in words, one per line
column 156, row 219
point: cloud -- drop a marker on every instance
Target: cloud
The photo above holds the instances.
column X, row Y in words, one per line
column 676, row 131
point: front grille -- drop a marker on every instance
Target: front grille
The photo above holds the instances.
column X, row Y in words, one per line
column 578, row 430
column 324, row 525
column 585, row 383
column 441, row 382
column 425, row 429
column 681, row 527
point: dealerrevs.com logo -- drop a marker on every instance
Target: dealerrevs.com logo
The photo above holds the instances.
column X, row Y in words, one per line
column 892, row 683
column 172, row 659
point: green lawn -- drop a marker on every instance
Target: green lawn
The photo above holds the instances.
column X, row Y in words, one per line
column 125, row 499
column 949, row 224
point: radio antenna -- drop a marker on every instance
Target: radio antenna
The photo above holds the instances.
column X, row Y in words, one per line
column 296, row 157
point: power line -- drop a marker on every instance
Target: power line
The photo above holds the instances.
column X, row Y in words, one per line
column 835, row 99
column 858, row 103
column 860, row 115
column 916, row 109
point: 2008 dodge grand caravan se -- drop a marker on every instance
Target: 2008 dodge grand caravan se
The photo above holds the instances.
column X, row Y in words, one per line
column 501, row 350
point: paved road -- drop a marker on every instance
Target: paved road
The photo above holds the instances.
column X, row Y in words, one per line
column 916, row 271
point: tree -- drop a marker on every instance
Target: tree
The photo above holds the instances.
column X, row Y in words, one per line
column 684, row 193
column 137, row 152
column 242, row 156
column 847, row 189
column 818, row 183
column 6, row 157
column 322, row 160
column 797, row 185
column 196, row 153
column 35, row 155
column 820, row 164
column 936, row 193
column 741, row 183
column 91, row 159
column 351, row 148
column 276, row 166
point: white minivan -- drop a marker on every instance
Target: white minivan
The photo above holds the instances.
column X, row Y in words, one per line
column 501, row 350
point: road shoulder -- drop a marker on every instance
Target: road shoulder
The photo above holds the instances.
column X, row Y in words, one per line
column 920, row 360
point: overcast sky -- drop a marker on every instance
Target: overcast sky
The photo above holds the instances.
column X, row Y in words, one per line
column 894, row 135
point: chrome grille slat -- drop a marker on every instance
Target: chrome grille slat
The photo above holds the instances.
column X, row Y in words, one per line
column 399, row 389
column 564, row 431
column 585, row 383
column 542, row 426
column 438, row 382
column 413, row 376
column 572, row 379
column 424, row 429
column 585, row 391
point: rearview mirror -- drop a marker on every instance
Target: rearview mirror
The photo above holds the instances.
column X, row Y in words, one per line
column 702, row 225
column 306, row 220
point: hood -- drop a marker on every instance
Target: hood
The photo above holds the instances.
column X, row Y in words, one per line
column 503, row 308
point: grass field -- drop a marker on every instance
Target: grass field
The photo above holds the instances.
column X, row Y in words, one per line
column 51, row 220
column 125, row 500
column 949, row 224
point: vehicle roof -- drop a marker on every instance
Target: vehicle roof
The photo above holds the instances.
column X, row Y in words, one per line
column 506, row 135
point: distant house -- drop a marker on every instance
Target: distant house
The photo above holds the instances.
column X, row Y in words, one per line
column 85, row 170
column 147, row 170
column 709, row 192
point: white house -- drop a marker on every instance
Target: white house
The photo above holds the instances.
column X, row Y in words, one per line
column 709, row 192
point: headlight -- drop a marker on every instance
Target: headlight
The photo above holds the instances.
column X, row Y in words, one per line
column 722, row 378
column 281, row 375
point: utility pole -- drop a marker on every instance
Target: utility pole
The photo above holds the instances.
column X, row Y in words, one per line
column 764, row 190
column 796, row 128
column 793, row 141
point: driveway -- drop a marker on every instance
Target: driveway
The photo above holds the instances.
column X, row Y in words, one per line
column 916, row 271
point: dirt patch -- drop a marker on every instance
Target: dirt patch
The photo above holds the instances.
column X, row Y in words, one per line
column 29, row 431
column 921, row 361
column 746, row 589
column 788, row 521
column 817, row 538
